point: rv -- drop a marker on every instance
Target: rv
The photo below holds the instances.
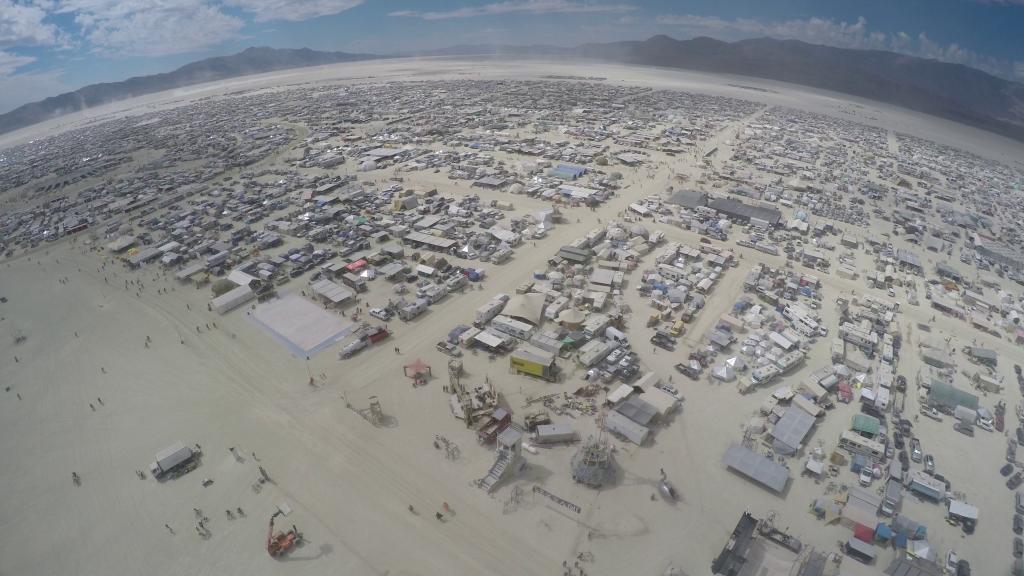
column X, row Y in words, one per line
column 413, row 310
column 487, row 312
column 512, row 327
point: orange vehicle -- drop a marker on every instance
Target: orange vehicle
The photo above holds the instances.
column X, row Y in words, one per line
column 281, row 543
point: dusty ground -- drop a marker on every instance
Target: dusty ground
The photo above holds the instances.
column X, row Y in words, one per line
column 349, row 483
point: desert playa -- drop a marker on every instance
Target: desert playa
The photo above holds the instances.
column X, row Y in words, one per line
column 291, row 362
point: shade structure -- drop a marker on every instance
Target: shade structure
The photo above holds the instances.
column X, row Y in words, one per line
column 417, row 368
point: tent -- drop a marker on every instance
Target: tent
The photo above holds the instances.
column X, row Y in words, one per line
column 417, row 368
column 526, row 307
column 864, row 533
column 815, row 467
column 736, row 363
column 783, row 393
column 827, row 510
column 571, row 317
column 921, row 549
column 724, row 373
column 882, row 532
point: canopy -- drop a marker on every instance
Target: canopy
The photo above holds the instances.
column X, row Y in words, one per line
column 571, row 316
column 416, row 368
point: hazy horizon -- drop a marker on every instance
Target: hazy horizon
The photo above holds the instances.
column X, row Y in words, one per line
column 48, row 47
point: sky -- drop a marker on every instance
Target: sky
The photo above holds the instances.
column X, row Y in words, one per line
column 52, row 46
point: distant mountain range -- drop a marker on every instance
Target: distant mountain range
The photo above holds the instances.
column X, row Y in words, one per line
column 951, row 91
column 249, row 61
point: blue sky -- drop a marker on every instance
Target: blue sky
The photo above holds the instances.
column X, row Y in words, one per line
column 52, row 46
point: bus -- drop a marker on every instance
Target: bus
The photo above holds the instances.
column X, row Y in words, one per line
column 856, row 444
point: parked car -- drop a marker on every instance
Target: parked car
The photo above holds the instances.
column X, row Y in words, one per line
column 915, row 450
column 1018, row 547
column 1014, row 481
column 929, row 464
column 897, row 439
column 449, row 349
column 381, row 313
column 1006, row 470
column 1018, row 524
column 965, row 429
column 663, row 342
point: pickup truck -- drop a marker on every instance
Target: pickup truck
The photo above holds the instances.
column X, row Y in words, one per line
column 932, row 413
column 449, row 349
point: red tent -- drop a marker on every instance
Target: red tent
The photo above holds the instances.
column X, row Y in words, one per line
column 845, row 393
column 864, row 533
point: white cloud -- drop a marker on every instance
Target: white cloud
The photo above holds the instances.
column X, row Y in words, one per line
column 11, row 62
column 520, row 7
column 22, row 25
column 292, row 10
column 151, row 27
column 843, row 35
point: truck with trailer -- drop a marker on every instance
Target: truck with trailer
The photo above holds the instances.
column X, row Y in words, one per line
column 173, row 461
column 533, row 361
column 892, row 496
column 926, row 486
column 554, row 434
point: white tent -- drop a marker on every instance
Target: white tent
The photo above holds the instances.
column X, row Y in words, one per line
column 921, row 549
column 736, row 363
column 724, row 373
column 783, row 393
column 528, row 307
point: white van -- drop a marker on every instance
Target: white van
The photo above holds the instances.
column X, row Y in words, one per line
column 615, row 335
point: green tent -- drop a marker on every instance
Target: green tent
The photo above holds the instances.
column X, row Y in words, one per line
column 949, row 396
column 866, row 425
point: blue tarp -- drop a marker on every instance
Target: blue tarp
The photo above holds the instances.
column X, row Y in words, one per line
column 899, row 541
column 857, row 462
column 883, row 532
column 453, row 336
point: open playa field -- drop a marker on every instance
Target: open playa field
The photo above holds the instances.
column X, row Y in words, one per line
column 115, row 364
